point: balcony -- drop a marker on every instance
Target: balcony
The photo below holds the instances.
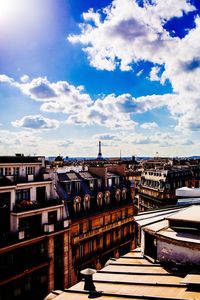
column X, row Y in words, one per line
column 27, row 205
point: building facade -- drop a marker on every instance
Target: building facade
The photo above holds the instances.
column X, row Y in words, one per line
column 157, row 187
column 34, row 231
column 100, row 206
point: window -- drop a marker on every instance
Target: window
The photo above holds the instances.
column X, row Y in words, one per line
column 99, row 183
column 100, row 199
column 23, row 194
column 16, row 171
column 89, row 225
column 30, row 170
column 52, row 217
column 1, row 172
column 98, row 242
column 117, row 180
column 7, row 171
column 68, row 187
column 80, row 228
column 110, row 182
column 86, row 202
column 81, row 251
column 122, row 233
column 77, row 204
column 77, row 186
column 91, row 184
column 101, row 222
column 111, row 237
column 90, row 246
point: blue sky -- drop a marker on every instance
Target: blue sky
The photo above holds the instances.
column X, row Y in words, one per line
column 123, row 71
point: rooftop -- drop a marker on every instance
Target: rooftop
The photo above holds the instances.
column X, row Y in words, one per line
column 19, row 159
column 191, row 214
column 86, row 175
column 133, row 276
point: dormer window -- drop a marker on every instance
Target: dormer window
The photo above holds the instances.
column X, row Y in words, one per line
column 78, row 186
column 100, row 199
column 68, row 187
column 107, row 197
column 77, row 204
column 117, row 180
column 86, row 202
column 99, row 183
column 124, row 194
column 117, row 195
column 110, row 182
column 91, row 184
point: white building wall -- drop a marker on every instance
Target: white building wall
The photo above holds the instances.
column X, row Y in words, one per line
column 186, row 192
column 45, row 217
column 33, row 193
column 172, row 252
column 12, row 199
column 14, row 223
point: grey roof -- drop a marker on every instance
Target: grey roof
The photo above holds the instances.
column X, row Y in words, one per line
column 110, row 174
column 132, row 277
column 191, row 214
column 68, row 176
column 86, row 175
column 154, row 216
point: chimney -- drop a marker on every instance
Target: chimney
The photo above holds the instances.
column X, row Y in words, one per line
column 89, row 285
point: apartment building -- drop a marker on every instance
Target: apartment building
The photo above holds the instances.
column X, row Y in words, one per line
column 100, row 206
column 34, row 230
column 157, row 186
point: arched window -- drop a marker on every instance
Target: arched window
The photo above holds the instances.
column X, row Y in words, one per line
column 107, row 197
column 86, row 201
column 100, row 199
column 77, row 203
column 124, row 194
column 117, row 195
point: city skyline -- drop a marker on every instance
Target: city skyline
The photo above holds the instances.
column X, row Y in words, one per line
column 76, row 72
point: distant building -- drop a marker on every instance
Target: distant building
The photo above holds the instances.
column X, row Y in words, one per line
column 157, row 186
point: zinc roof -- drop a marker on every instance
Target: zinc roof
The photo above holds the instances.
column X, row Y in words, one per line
column 133, row 276
column 191, row 214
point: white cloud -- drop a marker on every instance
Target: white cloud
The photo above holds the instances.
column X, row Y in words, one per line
column 139, row 73
column 20, row 139
column 106, row 137
column 6, row 79
column 109, row 111
column 24, row 78
column 36, row 122
column 65, row 144
column 150, row 125
column 153, row 76
column 38, row 89
column 128, row 34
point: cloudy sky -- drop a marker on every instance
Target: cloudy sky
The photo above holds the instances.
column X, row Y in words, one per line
column 125, row 72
